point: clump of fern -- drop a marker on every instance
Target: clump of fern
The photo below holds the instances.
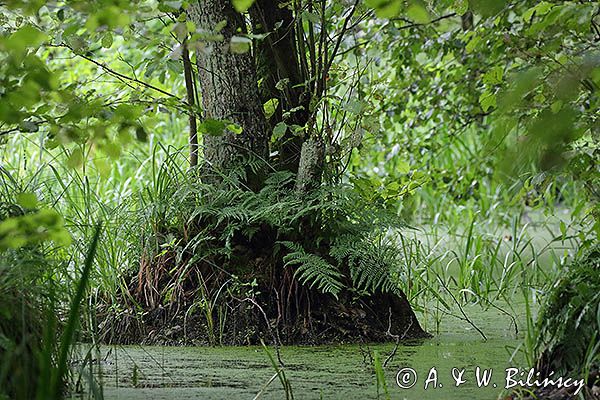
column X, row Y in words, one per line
column 332, row 239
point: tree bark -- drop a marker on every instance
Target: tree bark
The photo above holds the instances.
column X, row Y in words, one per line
column 310, row 169
column 467, row 21
column 229, row 92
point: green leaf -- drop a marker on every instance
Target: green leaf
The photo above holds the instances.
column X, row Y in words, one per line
column 76, row 158
column 213, row 127
column 539, row 9
column 169, row 6
column 487, row 101
column 487, row 8
column 278, row 131
column 472, row 44
column 33, row 228
column 107, row 40
column 494, row 76
column 282, row 84
column 242, row 5
column 111, row 16
column 418, row 13
column 385, row 8
column 235, row 128
column 27, row 200
column 103, row 167
column 461, row 6
column 311, row 17
column 556, row 106
column 270, row 107
column 25, row 37
column 112, row 149
column 403, row 167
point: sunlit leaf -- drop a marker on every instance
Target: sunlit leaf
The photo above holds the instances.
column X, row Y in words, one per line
column 107, row 40
column 386, row 8
column 75, row 158
column 212, row 127
column 242, row 5
column 487, row 100
column 417, row 12
column 461, row 6
column 270, row 107
column 27, row 200
column 487, row 7
column 235, row 128
column 493, row 76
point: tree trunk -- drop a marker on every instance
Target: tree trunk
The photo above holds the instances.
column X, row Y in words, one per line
column 282, row 73
column 229, row 92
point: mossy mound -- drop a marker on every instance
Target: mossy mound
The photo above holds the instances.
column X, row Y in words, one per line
column 221, row 264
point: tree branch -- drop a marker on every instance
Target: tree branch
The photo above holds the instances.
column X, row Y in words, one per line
column 118, row 74
column 189, row 87
column 8, row 131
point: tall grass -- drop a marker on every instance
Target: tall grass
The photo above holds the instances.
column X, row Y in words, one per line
column 481, row 247
column 36, row 345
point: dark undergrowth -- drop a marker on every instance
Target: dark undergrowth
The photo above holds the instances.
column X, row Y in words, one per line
column 39, row 307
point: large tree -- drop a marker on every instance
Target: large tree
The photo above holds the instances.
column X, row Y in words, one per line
column 287, row 70
column 278, row 117
column 228, row 81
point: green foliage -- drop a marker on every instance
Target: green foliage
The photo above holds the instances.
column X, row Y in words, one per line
column 313, row 270
column 58, row 100
column 462, row 126
column 416, row 10
column 569, row 323
column 33, row 228
column 380, row 376
column 35, row 345
column 511, row 94
column 242, row 5
column 347, row 247
column 23, row 314
column 372, row 258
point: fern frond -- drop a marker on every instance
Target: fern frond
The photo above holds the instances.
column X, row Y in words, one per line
column 313, row 270
column 370, row 261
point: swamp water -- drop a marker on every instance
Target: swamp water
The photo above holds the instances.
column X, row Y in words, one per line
column 328, row 372
column 333, row 372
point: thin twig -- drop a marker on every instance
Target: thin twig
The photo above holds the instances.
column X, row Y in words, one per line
column 189, row 87
column 466, row 317
column 277, row 344
column 118, row 74
column 8, row 131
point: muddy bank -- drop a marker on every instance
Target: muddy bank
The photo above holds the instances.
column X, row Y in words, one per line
column 373, row 319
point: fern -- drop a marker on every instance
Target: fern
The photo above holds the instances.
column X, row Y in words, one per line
column 313, row 270
column 214, row 217
column 370, row 260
